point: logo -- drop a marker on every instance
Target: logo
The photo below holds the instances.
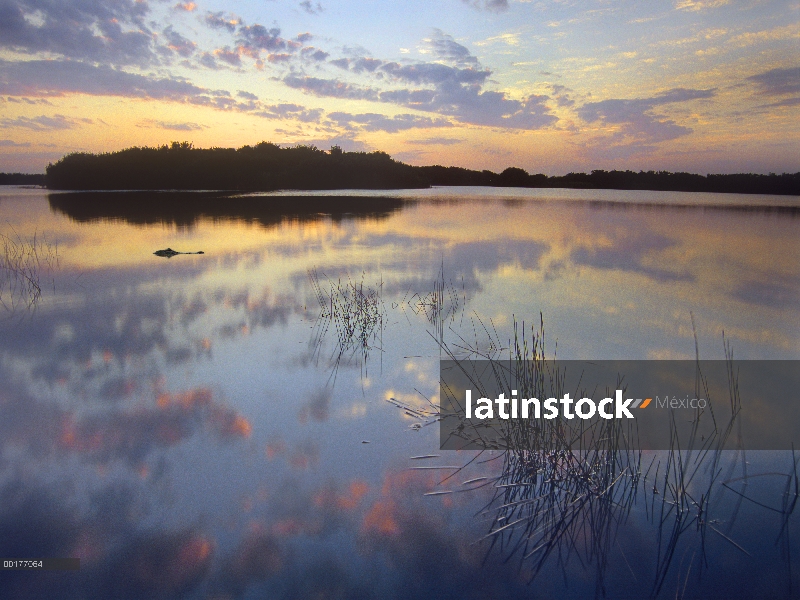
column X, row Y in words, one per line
column 585, row 408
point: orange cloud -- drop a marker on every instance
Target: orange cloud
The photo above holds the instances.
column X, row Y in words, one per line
column 350, row 500
column 381, row 519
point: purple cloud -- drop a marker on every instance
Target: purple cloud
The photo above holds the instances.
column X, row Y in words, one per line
column 13, row 144
column 257, row 37
column 179, row 44
column 290, row 111
column 219, row 20
column 378, row 122
column 332, row 88
column 639, row 128
column 436, row 141
column 455, row 89
column 776, row 82
column 446, row 48
column 312, row 53
column 59, row 77
column 490, row 5
column 175, row 126
column 312, row 8
column 93, row 30
column 43, row 123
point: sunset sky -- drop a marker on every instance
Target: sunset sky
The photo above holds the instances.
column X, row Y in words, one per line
column 550, row 86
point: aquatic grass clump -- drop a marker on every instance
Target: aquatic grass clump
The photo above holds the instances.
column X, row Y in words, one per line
column 23, row 262
column 357, row 314
column 440, row 305
column 567, row 489
column 564, row 490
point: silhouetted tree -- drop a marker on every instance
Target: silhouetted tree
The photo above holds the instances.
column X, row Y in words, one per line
column 267, row 166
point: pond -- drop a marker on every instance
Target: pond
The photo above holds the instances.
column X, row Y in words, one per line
column 258, row 421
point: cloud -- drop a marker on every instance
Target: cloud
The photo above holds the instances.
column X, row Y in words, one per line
column 332, row 88
column 175, row 126
column 132, row 436
column 490, row 5
column 279, row 58
column 251, row 41
column 27, row 100
column 259, row 556
column 436, row 141
column 59, row 77
column 317, row 407
column 435, row 74
column 633, row 253
column 444, row 47
column 159, row 565
column 43, row 123
column 107, row 32
column 776, row 82
column 312, row 8
column 208, row 61
column 219, row 20
column 315, row 54
column 257, row 37
column 13, row 144
column 359, row 64
column 780, row 33
column 445, row 89
column 185, row 6
column 696, row 5
column 378, row 122
column 342, row 63
column 452, row 85
column 179, row 44
column 290, row 111
column 637, row 127
column 622, row 111
column 561, row 95
column 471, row 105
column 229, row 56
column 786, row 102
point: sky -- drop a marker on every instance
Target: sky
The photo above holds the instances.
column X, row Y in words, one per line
column 551, row 86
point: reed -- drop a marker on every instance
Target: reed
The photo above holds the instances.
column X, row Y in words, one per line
column 566, row 489
column 356, row 313
column 23, row 264
column 440, row 306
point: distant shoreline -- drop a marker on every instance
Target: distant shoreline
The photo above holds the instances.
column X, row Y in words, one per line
column 268, row 167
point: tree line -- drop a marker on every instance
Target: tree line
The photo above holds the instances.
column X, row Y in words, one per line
column 267, row 166
column 23, row 179
column 740, row 183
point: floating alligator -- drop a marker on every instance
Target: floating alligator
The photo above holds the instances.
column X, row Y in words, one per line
column 169, row 252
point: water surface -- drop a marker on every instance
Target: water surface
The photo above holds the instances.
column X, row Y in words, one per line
column 196, row 426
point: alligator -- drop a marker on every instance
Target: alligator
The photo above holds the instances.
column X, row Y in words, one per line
column 169, row 252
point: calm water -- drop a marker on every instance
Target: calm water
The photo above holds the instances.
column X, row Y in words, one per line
column 203, row 426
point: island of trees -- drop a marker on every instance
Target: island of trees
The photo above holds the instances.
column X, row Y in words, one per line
column 23, row 179
column 267, row 166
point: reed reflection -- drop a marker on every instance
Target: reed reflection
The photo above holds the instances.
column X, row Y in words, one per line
column 25, row 265
column 568, row 493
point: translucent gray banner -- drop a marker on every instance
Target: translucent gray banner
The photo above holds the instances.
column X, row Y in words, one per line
column 613, row 405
